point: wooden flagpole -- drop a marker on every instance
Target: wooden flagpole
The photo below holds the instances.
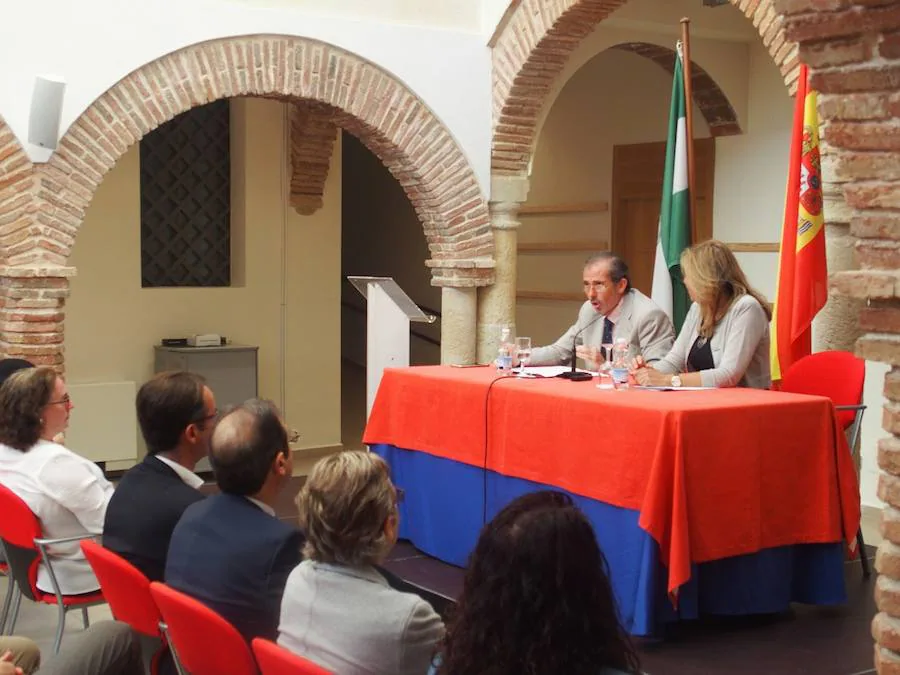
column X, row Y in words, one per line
column 689, row 121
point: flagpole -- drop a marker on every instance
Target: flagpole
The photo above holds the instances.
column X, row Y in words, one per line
column 689, row 121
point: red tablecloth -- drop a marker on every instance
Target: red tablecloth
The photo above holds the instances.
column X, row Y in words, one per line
column 714, row 474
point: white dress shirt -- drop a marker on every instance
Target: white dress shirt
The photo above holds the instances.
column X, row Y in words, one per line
column 69, row 494
column 265, row 507
column 189, row 477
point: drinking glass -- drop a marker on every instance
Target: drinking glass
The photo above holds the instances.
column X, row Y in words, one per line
column 523, row 353
column 606, row 366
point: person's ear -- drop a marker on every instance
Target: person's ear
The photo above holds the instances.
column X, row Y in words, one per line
column 191, row 433
column 281, row 463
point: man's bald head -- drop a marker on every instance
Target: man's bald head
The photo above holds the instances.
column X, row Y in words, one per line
column 244, row 444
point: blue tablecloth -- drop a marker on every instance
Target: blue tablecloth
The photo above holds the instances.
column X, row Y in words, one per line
column 445, row 508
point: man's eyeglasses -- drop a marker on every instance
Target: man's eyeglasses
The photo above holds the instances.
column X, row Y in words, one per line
column 65, row 400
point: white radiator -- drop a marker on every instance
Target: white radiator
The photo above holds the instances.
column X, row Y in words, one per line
column 103, row 423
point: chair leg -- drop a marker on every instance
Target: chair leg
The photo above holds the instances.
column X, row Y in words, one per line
column 14, row 613
column 7, row 603
column 85, row 619
column 863, row 557
column 60, row 627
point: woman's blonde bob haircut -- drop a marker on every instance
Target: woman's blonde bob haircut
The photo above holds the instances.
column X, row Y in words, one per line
column 343, row 507
column 716, row 281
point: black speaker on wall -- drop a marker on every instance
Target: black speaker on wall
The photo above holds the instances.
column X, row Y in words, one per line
column 46, row 111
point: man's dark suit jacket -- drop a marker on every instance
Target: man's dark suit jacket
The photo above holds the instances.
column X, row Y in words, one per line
column 143, row 512
column 235, row 558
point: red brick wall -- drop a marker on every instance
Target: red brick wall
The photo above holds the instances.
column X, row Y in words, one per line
column 42, row 207
column 532, row 49
column 853, row 50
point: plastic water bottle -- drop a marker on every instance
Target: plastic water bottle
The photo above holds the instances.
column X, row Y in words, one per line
column 619, row 371
column 505, row 352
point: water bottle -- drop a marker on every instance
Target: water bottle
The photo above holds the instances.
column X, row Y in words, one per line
column 619, row 371
column 505, row 352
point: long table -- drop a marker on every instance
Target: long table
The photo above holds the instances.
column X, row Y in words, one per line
column 731, row 501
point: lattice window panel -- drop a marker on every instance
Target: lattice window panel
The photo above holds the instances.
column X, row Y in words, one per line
column 186, row 200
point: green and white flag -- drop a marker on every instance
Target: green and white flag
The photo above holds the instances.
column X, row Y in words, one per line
column 674, row 217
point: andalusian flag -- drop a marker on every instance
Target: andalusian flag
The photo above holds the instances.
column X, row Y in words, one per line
column 802, row 272
column 675, row 213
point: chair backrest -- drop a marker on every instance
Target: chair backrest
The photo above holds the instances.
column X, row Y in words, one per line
column 125, row 588
column 275, row 660
column 19, row 527
column 206, row 643
column 839, row 376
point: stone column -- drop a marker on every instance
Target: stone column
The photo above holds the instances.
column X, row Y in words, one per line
column 458, row 315
column 497, row 303
column 32, row 301
column 836, row 327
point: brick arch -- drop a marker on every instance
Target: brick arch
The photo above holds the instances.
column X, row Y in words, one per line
column 532, row 50
column 16, row 192
column 369, row 102
column 709, row 97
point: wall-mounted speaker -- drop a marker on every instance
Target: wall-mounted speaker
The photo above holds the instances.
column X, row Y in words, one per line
column 46, row 111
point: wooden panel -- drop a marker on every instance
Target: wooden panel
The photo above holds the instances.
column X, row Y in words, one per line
column 562, row 209
column 549, row 295
column 637, row 189
column 563, row 246
column 754, row 247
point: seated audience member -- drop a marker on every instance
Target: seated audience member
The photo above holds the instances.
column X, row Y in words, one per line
column 176, row 411
column 65, row 491
column 7, row 368
column 536, row 598
column 724, row 341
column 613, row 310
column 338, row 610
column 230, row 551
column 106, row 648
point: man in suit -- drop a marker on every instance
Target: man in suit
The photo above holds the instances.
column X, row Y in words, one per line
column 176, row 411
column 230, row 551
column 613, row 310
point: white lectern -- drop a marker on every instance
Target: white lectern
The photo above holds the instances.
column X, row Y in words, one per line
column 387, row 328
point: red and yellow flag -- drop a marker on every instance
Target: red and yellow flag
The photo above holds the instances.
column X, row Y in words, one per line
column 802, row 271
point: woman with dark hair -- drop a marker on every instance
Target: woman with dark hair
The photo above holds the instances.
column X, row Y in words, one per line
column 67, row 492
column 536, row 598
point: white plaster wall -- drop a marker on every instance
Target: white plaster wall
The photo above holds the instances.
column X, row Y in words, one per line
column 92, row 44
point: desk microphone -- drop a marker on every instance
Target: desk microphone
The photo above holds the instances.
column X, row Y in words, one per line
column 573, row 374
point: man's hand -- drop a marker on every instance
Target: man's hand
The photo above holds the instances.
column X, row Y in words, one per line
column 593, row 356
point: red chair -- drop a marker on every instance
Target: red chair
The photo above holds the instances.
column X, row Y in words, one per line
column 127, row 591
column 840, row 376
column 275, row 660
column 20, row 533
column 206, row 644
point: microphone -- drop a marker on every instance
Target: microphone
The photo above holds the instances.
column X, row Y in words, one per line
column 573, row 375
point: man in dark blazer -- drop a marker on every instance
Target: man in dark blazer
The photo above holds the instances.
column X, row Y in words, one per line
column 230, row 551
column 176, row 411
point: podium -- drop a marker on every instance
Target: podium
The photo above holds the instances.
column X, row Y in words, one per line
column 387, row 328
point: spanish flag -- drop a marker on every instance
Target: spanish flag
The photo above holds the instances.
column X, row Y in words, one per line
column 802, row 272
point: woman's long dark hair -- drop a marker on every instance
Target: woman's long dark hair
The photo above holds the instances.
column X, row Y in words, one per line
column 536, row 598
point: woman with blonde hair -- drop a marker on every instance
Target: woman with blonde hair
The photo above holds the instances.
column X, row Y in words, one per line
column 67, row 492
column 338, row 609
column 724, row 341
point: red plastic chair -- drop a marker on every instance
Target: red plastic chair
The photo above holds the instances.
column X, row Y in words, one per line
column 840, row 376
column 275, row 660
column 206, row 643
column 127, row 591
column 20, row 532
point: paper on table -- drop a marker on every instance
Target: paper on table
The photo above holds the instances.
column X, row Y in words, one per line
column 669, row 388
column 552, row 371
